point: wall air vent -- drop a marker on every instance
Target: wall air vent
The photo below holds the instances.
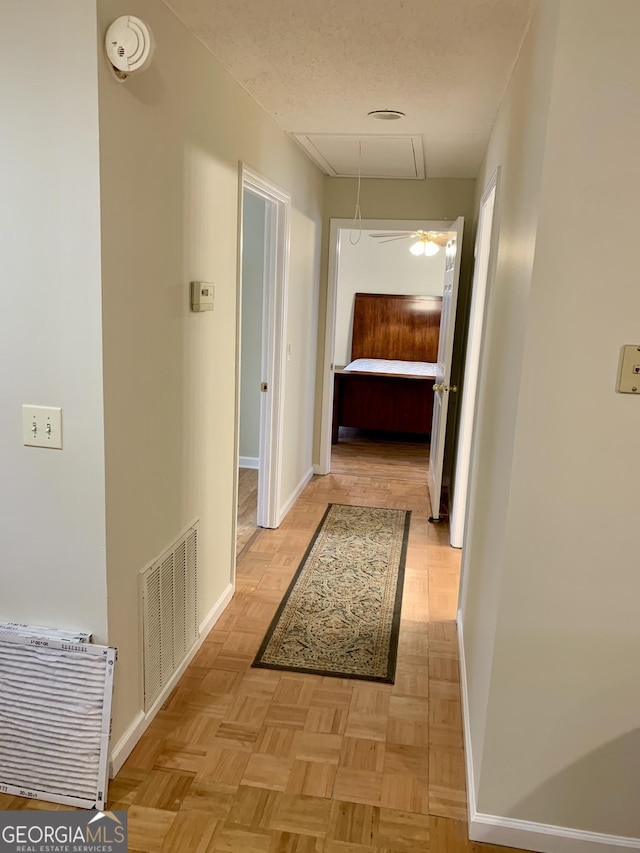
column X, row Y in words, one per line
column 170, row 612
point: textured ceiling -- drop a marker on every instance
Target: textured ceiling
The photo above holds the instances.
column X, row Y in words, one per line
column 319, row 66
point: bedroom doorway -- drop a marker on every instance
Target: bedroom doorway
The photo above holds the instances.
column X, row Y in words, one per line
column 260, row 311
column 372, row 279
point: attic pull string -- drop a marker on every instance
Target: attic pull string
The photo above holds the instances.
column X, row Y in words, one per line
column 357, row 216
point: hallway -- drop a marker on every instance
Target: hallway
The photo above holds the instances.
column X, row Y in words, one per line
column 256, row 761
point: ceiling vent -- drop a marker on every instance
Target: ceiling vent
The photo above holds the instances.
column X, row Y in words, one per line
column 386, row 115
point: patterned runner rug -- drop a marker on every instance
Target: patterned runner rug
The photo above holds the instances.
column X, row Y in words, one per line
column 341, row 613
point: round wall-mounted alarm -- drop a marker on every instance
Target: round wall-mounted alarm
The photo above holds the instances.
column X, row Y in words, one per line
column 129, row 44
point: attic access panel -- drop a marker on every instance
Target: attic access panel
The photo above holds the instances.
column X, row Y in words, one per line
column 392, row 156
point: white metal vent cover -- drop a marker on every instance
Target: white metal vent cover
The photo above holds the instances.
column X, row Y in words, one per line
column 170, row 612
column 55, row 718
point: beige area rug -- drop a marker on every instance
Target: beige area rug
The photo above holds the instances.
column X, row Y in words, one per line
column 341, row 613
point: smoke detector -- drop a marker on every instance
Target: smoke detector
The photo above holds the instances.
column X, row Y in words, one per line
column 129, row 45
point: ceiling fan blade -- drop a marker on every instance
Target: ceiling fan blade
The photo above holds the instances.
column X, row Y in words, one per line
column 393, row 234
column 440, row 238
column 391, row 239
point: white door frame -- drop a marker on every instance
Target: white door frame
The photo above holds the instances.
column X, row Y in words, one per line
column 484, row 269
column 274, row 324
column 336, row 226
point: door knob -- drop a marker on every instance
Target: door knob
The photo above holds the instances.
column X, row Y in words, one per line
column 452, row 388
column 438, row 387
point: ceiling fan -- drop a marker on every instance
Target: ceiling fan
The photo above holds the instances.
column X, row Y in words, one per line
column 427, row 242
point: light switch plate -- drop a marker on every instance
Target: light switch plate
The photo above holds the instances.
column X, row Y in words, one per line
column 42, row 426
column 629, row 373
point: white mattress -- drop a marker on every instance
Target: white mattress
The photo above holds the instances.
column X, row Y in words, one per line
column 394, row 368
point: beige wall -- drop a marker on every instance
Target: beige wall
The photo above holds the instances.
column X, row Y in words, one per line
column 170, row 143
column 52, row 527
column 551, row 580
column 430, row 199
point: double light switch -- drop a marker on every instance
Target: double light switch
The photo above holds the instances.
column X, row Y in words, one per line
column 42, row 426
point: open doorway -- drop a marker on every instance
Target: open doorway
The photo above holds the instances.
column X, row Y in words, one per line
column 412, row 285
column 261, row 317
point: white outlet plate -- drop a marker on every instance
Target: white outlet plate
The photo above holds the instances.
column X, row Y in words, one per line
column 42, row 426
column 629, row 374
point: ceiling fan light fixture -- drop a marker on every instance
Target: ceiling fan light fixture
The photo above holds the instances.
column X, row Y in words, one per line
column 386, row 115
column 424, row 246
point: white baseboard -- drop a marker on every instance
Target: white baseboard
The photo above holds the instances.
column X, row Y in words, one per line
column 294, row 496
column 215, row 613
column 123, row 749
column 543, row 838
column 142, row 720
column 248, row 462
column 466, row 729
column 319, row 469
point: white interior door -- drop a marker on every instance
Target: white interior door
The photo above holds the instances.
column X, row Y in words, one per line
column 265, row 511
column 485, row 249
column 442, row 387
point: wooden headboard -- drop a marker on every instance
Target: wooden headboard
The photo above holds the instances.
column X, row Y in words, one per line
column 398, row 327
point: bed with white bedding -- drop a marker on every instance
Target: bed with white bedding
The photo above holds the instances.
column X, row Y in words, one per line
column 392, row 367
column 388, row 384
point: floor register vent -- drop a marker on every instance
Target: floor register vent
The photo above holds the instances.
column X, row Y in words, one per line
column 170, row 612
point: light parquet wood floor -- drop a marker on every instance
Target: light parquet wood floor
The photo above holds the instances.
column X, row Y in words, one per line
column 241, row 760
column 247, row 508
